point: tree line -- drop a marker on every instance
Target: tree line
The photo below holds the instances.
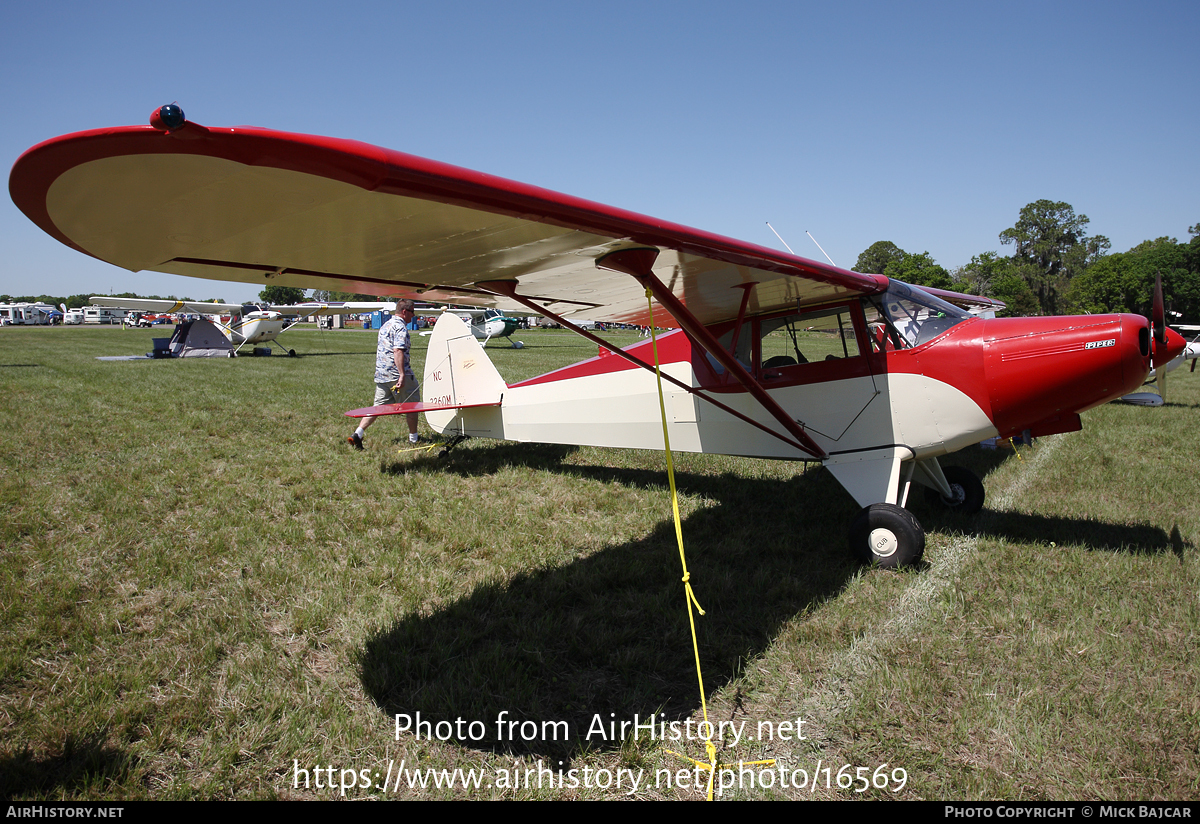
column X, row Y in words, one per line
column 1056, row 268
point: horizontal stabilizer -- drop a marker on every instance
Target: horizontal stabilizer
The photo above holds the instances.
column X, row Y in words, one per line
column 406, row 408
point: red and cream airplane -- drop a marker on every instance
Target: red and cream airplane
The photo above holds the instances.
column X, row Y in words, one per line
column 776, row 356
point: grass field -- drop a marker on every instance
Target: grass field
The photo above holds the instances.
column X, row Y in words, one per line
column 205, row 593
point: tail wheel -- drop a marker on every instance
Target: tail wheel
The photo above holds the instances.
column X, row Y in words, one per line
column 887, row 535
column 967, row 489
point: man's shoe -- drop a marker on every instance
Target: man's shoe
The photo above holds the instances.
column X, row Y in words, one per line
column 355, row 440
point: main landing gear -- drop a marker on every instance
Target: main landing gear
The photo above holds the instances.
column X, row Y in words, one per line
column 966, row 491
column 889, row 536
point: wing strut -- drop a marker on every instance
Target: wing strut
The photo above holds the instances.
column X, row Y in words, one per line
column 639, row 263
column 508, row 288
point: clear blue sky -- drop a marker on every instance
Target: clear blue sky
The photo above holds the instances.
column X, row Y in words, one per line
column 927, row 124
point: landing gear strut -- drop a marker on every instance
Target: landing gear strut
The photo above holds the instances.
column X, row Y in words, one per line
column 967, row 490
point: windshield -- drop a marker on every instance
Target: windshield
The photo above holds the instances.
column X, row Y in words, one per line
column 908, row 316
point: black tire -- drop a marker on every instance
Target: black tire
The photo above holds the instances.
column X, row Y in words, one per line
column 968, row 491
column 291, row 353
column 887, row 535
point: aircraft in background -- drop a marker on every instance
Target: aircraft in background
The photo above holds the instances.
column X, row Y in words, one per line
column 486, row 324
column 776, row 356
column 247, row 324
column 1190, row 353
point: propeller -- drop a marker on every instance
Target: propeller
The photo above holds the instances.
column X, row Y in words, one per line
column 1167, row 342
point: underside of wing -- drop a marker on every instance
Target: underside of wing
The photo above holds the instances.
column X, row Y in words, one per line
column 266, row 207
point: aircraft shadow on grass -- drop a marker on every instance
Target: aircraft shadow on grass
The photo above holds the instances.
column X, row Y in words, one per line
column 85, row 763
column 606, row 636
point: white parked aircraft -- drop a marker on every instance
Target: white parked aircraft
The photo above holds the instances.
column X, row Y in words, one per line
column 248, row 323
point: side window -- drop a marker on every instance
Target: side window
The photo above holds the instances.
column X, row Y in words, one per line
column 811, row 337
column 742, row 353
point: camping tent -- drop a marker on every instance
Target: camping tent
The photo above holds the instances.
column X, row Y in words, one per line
column 199, row 339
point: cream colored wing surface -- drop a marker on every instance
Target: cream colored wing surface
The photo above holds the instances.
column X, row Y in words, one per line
column 264, row 207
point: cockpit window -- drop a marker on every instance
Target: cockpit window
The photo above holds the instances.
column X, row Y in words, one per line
column 806, row 338
column 742, row 353
column 790, row 340
column 906, row 316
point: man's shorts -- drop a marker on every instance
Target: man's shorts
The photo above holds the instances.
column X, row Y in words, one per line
column 409, row 392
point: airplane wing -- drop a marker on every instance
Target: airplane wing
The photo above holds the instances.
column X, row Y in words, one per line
column 167, row 306
column 975, row 304
column 312, row 309
column 258, row 206
column 458, row 310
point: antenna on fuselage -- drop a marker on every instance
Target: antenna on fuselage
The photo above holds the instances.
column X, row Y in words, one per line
column 814, row 240
column 781, row 240
column 810, row 237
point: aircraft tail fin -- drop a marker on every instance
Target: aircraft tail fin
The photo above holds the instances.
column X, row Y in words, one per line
column 459, row 375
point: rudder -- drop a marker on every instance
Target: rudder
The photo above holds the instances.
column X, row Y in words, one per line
column 459, row 373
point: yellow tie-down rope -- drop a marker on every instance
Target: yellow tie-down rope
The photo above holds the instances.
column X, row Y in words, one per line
column 712, row 765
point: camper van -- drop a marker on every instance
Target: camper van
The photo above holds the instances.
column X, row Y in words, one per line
column 102, row 314
column 26, row 314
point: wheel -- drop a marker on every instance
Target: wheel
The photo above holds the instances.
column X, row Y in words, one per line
column 887, row 535
column 967, row 488
column 291, row 353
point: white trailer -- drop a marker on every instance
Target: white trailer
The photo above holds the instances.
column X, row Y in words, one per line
column 103, row 314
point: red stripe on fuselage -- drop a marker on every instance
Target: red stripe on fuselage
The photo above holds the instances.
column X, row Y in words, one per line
column 673, row 347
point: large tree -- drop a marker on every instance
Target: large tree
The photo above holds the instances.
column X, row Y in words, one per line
column 1052, row 247
column 877, row 256
column 997, row 277
column 886, row 258
column 325, row 296
column 281, row 294
column 976, row 277
column 1124, row 282
column 919, row 270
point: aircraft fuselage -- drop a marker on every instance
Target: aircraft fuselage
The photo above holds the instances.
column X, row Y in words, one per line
column 875, row 383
